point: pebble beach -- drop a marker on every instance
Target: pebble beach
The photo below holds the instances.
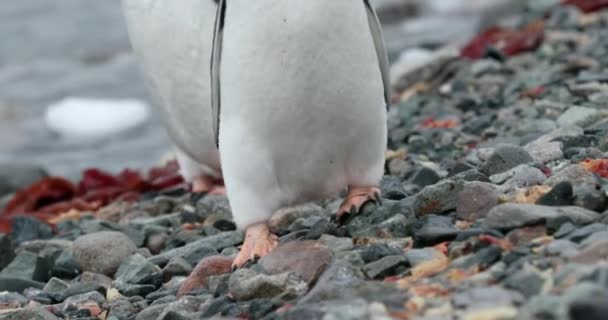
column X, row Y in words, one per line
column 494, row 206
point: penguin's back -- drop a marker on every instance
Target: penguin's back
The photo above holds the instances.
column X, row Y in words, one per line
column 173, row 41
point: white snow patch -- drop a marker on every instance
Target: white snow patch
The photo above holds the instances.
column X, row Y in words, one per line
column 84, row 118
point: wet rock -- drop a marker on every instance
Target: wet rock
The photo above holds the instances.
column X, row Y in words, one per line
column 574, row 174
column 28, row 314
column 246, row 285
column 519, row 177
column 385, row 221
column 376, row 252
column 283, row 218
column 392, row 188
column 13, row 284
column 217, row 242
column 136, row 270
column 483, row 297
column 561, row 195
column 564, row 248
column 28, row 228
column 594, row 308
column 213, row 208
column 210, row 266
column 28, row 266
column 55, row 285
column 387, row 266
column 176, row 267
column 6, row 250
column 335, row 283
column 65, row 266
column 433, row 229
column 336, row 244
column 511, row 215
column 593, row 253
column 476, row 200
column 425, row 177
column 76, row 289
column 528, row 283
column 416, row 257
column 308, row 259
column 504, row 158
column 579, row 116
column 112, row 247
column 584, row 232
column 438, row 198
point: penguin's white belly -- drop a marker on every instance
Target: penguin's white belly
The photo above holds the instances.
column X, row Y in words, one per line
column 303, row 110
column 173, row 41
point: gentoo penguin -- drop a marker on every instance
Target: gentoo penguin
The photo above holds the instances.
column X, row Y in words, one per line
column 173, row 41
column 299, row 91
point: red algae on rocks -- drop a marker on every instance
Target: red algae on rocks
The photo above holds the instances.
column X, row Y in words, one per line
column 54, row 195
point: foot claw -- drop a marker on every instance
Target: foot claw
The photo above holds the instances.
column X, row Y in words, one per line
column 258, row 243
column 356, row 198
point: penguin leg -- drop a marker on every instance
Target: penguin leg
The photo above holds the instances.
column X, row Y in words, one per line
column 209, row 185
column 356, row 198
column 259, row 241
column 202, row 178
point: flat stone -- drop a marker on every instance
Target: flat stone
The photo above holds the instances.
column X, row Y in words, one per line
column 102, row 252
column 208, row 267
column 28, row 266
column 482, row 297
column 388, row 220
column 218, row 242
column 28, row 314
column 574, row 174
column 592, row 254
column 504, row 158
column 28, row 228
column 305, row 258
column 561, row 195
column 246, row 285
column 337, row 282
column 476, row 200
column 385, row 267
column 416, row 257
column 433, row 229
column 579, row 116
column 283, row 218
column 176, row 267
column 137, row 270
column 18, row 284
column 513, row 215
column 6, row 250
column 438, row 198
column 76, row 289
column 392, row 188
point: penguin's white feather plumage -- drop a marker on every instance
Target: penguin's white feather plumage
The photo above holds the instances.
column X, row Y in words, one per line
column 302, row 103
column 173, row 41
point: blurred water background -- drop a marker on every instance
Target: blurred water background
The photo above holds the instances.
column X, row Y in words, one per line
column 51, row 50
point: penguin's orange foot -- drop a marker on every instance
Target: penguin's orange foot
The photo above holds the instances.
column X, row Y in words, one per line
column 259, row 241
column 356, row 198
column 209, row 185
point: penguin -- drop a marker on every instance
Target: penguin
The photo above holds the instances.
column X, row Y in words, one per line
column 299, row 96
column 173, row 41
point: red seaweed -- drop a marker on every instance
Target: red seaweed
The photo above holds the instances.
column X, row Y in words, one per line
column 507, row 41
column 587, row 6
column 54, row 195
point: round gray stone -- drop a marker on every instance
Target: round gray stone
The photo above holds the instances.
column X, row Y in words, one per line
column 102, row 252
